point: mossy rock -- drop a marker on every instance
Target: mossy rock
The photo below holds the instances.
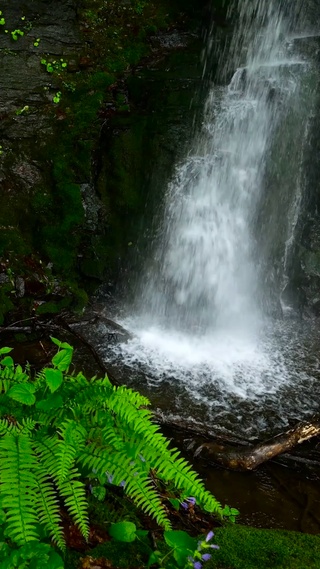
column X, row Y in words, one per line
column 249, row 548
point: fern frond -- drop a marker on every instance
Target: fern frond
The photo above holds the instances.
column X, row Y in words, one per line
column 72, row 441
column 40, row 376
column 18, row 484
column 122, row 468
column 178, row 470
column 5, row 385
column 46, row 447
column 47, row 507
column 75, row 499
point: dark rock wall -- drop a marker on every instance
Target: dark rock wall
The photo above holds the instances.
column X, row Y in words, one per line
column 61, row 224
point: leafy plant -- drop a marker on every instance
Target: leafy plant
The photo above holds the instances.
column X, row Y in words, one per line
column 32, row 555
column 139, row 6
column 23, row 110
column 16, row 33
column 2, row 19
column 56, row 66
column 185, row 551
column 57, row 429
column 57, row 97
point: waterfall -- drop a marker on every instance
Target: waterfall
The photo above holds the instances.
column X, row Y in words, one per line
column 205, row 270
column 230, row 216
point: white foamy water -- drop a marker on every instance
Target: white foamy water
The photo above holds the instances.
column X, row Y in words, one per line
column 199, row 320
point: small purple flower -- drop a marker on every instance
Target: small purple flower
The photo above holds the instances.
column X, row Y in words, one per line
column 188, row 501
column 141, row 458
column 109, row 477
column 206, row 556
column 122, row 483
column 197, row 565
column 191, row 500
column 209, row 536
column 214, row 546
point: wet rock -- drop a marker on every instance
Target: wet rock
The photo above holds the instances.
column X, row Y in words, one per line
column 27, row 173
column 91, row 204
column 20, row 287
column 172, row 40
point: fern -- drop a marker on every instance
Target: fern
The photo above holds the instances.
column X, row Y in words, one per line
column 47, row 506
column 56, row 427
column 73, row 492
column 18, row 487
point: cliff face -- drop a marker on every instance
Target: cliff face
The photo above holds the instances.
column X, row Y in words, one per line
column 66, row 67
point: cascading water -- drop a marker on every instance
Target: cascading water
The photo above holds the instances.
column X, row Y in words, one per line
column 202, row 321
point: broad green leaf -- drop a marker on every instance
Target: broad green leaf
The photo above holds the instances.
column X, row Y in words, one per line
column 154, row 558
column 180, row 539
column 20, row 375
column 54, row 561
column 54, row 378
column 62, row 359
column 5, row 350
column 123, row 531
column 54, row 401
column 181, row 556
column 142, row 532
column 34, row 550
column 7, row 361
column 22, row 393
column 99, row 492
column 61, row 344
column 175, row 503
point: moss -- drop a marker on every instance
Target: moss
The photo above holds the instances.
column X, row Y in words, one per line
column 53, row 307
column 124, row 555
column 50, row 219
column 250, row 548
column 114, row 508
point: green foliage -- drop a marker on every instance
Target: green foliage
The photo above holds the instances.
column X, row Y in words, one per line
column 58, row 429
column 230, row 513
column 22, row 110
column 16, row 33
column 32, row 555
column 57, row 97
column 185, row 552
column 54, row 66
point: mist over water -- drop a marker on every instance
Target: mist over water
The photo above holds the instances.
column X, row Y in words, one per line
column 202, row 314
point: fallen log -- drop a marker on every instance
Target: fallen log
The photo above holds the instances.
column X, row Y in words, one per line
column 249, row 458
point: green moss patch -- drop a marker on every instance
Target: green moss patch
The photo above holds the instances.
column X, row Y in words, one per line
column 248, row 548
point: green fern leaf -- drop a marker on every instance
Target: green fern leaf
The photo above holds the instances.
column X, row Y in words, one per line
column 18, row 485
column 75, row 499
column 47, row 507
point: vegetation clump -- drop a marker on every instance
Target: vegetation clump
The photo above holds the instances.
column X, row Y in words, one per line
column 62, row 436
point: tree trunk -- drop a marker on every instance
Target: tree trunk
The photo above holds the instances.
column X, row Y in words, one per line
column 249, row 458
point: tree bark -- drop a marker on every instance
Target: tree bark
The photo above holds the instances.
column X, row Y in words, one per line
column 249, row 458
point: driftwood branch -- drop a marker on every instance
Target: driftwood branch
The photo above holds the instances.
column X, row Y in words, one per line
column 250, row 458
